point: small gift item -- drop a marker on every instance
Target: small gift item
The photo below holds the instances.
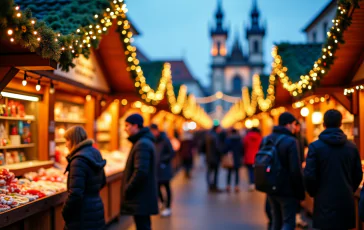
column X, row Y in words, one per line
column 7, row 200
column 4, row 207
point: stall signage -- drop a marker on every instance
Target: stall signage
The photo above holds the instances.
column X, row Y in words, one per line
column 87, row 72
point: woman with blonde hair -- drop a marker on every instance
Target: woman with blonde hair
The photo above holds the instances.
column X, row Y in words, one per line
column 83, row 208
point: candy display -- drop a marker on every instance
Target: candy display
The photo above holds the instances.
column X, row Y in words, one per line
column 36, row 185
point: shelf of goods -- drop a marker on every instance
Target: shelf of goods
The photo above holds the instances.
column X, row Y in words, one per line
column 18, row 136
column 36, row 201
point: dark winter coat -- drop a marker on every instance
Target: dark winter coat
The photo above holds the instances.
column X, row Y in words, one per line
column 291, row 167
column 83, row 208
column 332, row 174
column 213, row 149
column 139, row 186
column 165, row 154
column 234, row 144
column 252, row 141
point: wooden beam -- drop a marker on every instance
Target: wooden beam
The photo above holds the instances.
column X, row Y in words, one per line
column 343, row 100
column 8, row 77
column 30, row 61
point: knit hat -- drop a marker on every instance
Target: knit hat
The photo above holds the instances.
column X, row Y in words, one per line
column 286, row 118
column 135, row 119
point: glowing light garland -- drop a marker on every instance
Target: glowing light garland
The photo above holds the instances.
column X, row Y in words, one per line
column 321, row 66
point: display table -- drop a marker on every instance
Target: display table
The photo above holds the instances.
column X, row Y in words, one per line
column 46, row 213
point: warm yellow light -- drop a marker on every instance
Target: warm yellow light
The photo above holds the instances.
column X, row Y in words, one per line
column 10, row 32
column 219, row 95
column 248, row 124
column 255, row 122
column 124, row 102
column 304, row 112
column 317, row 118
column 19, row 96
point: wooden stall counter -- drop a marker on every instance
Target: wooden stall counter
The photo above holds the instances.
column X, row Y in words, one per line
column 46, row 213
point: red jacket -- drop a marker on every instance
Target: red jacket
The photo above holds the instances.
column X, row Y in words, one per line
column 251, row 146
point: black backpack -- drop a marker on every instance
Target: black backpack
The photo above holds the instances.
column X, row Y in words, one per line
column 267, row 166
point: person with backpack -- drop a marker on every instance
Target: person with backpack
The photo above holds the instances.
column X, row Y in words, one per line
column 332, row 174
column 234, row 146
column 278, row 173
column 252, row 141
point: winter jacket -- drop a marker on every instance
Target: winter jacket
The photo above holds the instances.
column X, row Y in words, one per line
column 234, row 144
column 83, row 208
column 252, row 142
column 302, row 144
column 332, row 174
column 292, row 178
column 139, row 186
column 165, row 154
column 213, row 148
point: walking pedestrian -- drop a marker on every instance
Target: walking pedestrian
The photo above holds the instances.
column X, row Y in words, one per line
column 164, row 156
column 283, row 202
column 332, row 174
column 302, row 145
column 213, row 150
column 186, row 152
column 234, row 146
column 139, row 186
column 252, row 141
column 83, row 208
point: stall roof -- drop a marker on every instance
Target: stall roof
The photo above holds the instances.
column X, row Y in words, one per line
column 298, row 58
column 350, row 55
column 152, row 72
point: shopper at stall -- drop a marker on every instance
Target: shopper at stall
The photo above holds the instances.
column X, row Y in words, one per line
column 252, row 142
column 283, row 201
column 234, row 146
column 186, row 152
column 165, row 154
column 83, row 208
column 213, row 148
column 139, row 186
column 332, row 174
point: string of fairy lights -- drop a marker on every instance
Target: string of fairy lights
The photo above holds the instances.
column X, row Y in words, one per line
column 86, row 37
column 321, row 66
column 249, row 103
column 217, row 96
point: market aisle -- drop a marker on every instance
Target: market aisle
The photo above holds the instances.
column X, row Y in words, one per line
column 195, row 209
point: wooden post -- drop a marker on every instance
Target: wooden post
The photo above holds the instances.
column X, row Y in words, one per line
column 360, row 126
column 114, row 131
column 45, row 124
column 90, row 109
column 309, row 125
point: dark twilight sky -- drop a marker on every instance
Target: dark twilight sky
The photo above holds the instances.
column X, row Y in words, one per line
column 175, row 29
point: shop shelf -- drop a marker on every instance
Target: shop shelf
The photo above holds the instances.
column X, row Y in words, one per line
column 21, row 168
column 22, row 146
column 30, row 118
column 82, row 121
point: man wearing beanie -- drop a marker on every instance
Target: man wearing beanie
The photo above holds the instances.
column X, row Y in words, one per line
column 283, row 203
column 139, row 186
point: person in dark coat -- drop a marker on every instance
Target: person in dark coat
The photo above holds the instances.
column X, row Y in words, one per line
column 234, row 145
column 165, row 154
column 186, row 152
column 332, row 174
column 213, row 148
column 139, row 186
column 83, row 208
column 283, row 204
column 252, row 141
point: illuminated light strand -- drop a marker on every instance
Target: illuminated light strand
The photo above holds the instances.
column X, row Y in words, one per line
column 321, row 66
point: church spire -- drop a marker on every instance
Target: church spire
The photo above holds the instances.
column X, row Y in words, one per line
column 255, row 25
column 219, row 17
